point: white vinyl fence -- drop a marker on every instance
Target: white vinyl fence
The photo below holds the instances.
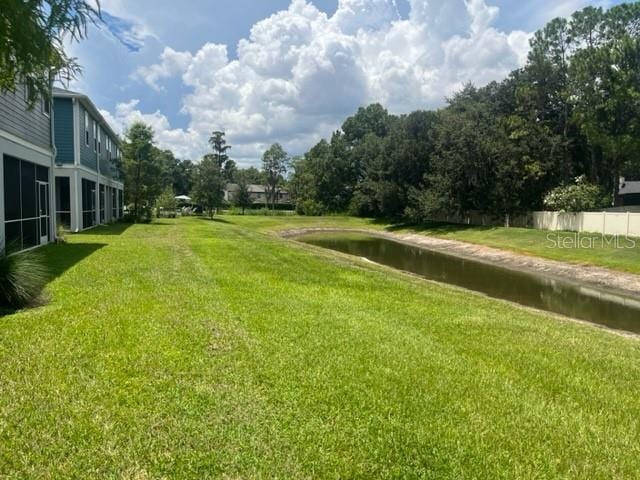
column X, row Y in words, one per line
column 607, row 223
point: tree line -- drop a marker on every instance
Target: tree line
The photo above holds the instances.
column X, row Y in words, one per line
column 569, row 119
column 153, row 176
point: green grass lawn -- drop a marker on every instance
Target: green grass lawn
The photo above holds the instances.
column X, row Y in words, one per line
column 594, row 249
column 193, row 348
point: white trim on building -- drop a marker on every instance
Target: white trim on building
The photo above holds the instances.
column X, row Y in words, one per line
column 15, row 147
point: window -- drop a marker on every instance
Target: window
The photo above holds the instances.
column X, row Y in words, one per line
column 88, row 203
column 99, row 140
column 28, row 93
column 12, row 200
column 86, row 128
column 26, row 208
column 95, row 136
column 63, row 202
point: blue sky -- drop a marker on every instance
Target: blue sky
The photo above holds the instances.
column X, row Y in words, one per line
column 289, row 71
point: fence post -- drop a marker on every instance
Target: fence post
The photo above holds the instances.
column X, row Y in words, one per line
column 604, row 223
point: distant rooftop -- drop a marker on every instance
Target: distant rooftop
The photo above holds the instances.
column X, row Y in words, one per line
column 252, row 188
column 628, row 187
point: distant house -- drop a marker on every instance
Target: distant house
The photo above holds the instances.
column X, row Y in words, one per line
column 88, row 180
column 629, row 193
column 257, row 194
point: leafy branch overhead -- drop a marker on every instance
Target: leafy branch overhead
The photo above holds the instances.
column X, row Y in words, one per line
column 32, row 37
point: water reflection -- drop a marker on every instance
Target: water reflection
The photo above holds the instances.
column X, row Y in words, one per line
column 538, row 291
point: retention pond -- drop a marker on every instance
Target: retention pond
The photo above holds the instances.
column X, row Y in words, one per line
column 538, row 291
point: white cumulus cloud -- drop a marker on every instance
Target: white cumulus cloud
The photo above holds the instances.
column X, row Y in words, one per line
column 171, row 63
column 300, row 72
column 180, row 141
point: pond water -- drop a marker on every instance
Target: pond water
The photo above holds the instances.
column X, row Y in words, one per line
column 533, row 290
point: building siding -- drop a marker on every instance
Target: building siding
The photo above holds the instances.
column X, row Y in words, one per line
column 30, row 125
column 87, row 154
column 72, row 107
column 63, row 129
column 105, row 168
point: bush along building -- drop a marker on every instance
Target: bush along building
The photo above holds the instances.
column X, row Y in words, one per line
column 59, row 166
column 88, row 178
column 26, row 171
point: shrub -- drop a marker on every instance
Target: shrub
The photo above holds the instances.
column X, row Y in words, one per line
column 269, row 213
column 577, row 197
column 22, row 278
column 167, row 203
column 128, row 218
column 146, row 215
column 61, row 234
column 310, row 208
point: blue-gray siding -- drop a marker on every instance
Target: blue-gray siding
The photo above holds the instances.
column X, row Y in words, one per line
column 64, row 120
column 88, row 156
column 63, row 129
column 30, row 125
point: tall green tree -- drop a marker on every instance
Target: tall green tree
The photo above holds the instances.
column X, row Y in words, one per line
column 143, row 169
column 208, row 184
column 275, row 162
column 182, row 176
column 32, row 39
column 219, row 146
column 230, row 171
column 373, row 119
column 572, row 110
column 606, row 81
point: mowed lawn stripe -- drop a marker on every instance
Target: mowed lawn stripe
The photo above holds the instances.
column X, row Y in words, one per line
column 201, row 349
column 348, row 323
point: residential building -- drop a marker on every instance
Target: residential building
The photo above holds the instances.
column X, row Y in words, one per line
column 26, row 171
column 629, row 192
column 88, row 179
column 257, row 193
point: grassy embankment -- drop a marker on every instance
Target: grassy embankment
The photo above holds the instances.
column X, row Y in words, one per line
column 589, row 249
column 195, row 349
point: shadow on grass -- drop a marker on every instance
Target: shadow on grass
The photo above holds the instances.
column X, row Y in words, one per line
column 112, row 229
column 157, row 223
column 57, row 259
column 216, row 219
column 60, row 258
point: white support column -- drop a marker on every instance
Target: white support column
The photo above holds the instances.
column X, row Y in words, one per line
column 76, row 132
column 75, row 192
column 97, row 196
column 108, row 204
column 53, row 234
column 2, row 200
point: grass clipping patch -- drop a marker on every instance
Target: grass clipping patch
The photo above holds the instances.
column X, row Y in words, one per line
column 22, row 278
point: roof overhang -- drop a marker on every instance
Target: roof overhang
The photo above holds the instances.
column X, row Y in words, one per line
column 88, row 104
